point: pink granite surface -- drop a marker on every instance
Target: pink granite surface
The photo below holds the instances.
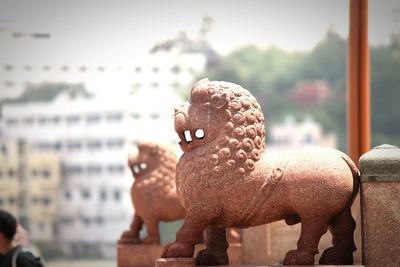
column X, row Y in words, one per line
column 381, row 231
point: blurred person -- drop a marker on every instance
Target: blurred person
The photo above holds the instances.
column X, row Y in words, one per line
column 11, row 256
column 21, row 237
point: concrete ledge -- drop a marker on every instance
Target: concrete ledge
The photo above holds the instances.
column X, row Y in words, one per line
column 381, row 164
column 132, row 255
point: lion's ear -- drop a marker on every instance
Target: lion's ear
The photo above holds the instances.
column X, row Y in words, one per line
column 218, row 101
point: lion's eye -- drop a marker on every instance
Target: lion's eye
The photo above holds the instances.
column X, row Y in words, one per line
column 199, row 133
column 143, row 166
column 136, row 169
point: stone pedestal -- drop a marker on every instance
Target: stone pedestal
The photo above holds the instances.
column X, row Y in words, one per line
column 176, row 262
column 130, row 255
column 138, row 255
column 380, row 206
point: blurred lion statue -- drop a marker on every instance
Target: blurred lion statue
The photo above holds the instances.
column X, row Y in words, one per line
column 153, row 192
column 226, row 178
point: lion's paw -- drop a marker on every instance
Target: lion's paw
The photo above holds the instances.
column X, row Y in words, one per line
column 296, row 257
column 336, row 256
column 178, row 250
column 128, row 237
column 206, row 257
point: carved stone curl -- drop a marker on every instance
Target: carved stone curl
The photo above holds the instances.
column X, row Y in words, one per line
column 227, row 179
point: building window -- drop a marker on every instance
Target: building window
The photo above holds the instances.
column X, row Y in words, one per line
column 66, row 220
column 136, row 115
column 41, row 227
column 43, row 145
column 94, row 144
column 67, row 195
column 1, row 202
column 85, row 193
column 11, row 173
column 100, row 220
column 176, row 85
column 117, row 195
column 73, row 119
column 1, row 174
column 156, row 69
column 103, row 195
column 114, row 117
column 55, row 119
column 46, row 201
column 12, row 121
column 154, row 116
column 46, row 173
column 28, row 120
column 8, row 67
column 35, row 200
column 94, row 169
column 136, row 85
column 57, row 146
column 116, row 169
column 42, row 120
column 74, row 145
column 34, row 172
column 115, row 143
column 4, row 150
column 86, row 221
column 73, row 170
column 93, row 118
column 176, row 69
column 138, row 69
column 11, row 200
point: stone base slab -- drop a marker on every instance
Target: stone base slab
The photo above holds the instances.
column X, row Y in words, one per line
column 132, row 255
column 176, row 262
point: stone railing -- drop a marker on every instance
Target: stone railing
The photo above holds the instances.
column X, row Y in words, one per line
column 380, row 206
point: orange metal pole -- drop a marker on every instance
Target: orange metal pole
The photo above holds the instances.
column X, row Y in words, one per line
column 358, row 105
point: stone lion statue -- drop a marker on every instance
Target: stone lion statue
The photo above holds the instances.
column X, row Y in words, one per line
column 226, row 178
column 153, row 193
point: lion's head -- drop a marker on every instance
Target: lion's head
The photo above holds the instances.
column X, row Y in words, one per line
column 154, row 163
column 224, row 125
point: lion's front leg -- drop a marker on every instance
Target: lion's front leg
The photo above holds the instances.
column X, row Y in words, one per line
column 131, row 236
column 186, row 237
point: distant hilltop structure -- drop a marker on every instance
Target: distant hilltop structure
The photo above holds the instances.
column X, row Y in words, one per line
column 308, row 93
column 170, row 64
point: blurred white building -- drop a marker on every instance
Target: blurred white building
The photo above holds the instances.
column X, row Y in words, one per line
column 92, row 137
column 291, row 134
column 134, row 96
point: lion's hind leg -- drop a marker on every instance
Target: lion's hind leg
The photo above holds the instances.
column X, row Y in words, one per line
column 311, row 231
column 342, row 227
column 215, row 253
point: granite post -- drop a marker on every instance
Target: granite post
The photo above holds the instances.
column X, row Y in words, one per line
column 380, row 206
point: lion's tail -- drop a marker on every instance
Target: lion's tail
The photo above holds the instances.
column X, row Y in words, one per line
column 356, row 176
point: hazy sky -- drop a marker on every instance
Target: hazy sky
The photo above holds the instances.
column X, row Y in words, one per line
column 103, row 32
